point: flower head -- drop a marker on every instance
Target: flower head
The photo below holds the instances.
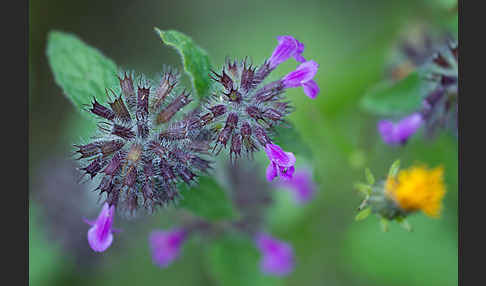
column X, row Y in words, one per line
column 100, row 234
column 244, row 108
column 278, row 256
column 303, row 76
column 417, row 188
column 166, row 245
column 399, row 132
column 287, row 47
column 140, row 163
column 281, row 163
column 301, row 185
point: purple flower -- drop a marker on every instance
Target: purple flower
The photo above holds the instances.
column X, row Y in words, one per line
column 166, row 245
column 100, row 234
column 301, row 185
column 303, row 76
column 398, row 133
column 287, row 47
column 278, row 256
column 281, row 163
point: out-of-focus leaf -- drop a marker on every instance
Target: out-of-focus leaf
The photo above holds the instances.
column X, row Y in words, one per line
column 235, row 260
column 208, row 200
column 291, row 141
column 394, row 168
column 400, row 98
column 404, row 224
column 81, row 71
column 194, row 58
column 370, row 179
column 363, row 214
column 364, row 188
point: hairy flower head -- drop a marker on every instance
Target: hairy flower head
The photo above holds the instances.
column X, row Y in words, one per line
column 245, row 107
column 143, row 150
column 417, row 188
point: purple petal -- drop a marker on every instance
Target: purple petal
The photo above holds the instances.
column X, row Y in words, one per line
column 298, row 54
column 278, row 256
column 271, row 172
column 277, row 155
column 311, row 89
column 387, row 131
column 304, row 72
column 100, row 234
column 166, row 245
column 287, row 47
column 408, row 126
column 286, row 173
column 398, row 133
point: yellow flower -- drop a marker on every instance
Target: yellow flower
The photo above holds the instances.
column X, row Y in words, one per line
column 418, row 188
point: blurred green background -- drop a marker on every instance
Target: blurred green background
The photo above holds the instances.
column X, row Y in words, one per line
column 350, row 40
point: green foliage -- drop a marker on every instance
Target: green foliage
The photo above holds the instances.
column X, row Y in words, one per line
column 363, row 214
column 81, row 71
column 291, row 141
column 364, row 188
column 235, row 260
column 370, row 179
column 195, row 59
column 208, row 200
column 394, row 168
column 400, row 98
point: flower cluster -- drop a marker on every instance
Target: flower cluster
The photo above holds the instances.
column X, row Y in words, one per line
column 403, row 192
column 144, row 150
column 439, row 107
column 244, row 109
column 251, row 195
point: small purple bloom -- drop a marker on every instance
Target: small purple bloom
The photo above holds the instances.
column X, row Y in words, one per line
column 301, row 185
column 281, row 163
column 278, row 256
column 303, row 76
column 398, row 133
column 287, row 47
column 166, row 245
column 100, row 234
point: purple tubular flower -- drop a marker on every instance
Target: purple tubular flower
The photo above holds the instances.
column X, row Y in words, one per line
column 281, row 163
column 398, row 133
column 301, row 186
column 278, row 256
column 303, row 76
column 166, row 245
column 287, row 47
column 100, row 234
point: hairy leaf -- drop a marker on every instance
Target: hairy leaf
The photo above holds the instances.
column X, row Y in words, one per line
column 399, row 98
column 195, row 59
column 82, row 71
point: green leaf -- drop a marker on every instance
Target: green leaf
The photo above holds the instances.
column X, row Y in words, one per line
column 404, row 224
column 394, row 168
column 235, row 260
column 369, row 176
column 291, row 141
column 364, row 188
column 208, row 200
column 81, row 71
column 194, row 58
column 400, row 98
column 363, row 214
